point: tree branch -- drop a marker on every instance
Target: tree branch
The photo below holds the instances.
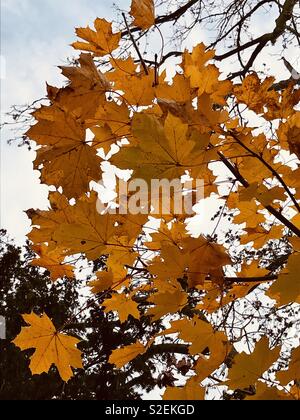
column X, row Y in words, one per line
column 166, row 18
column 234, row 170
column 167, row 348
column 135, row 46
column 241, row 21
column 285, row 15
column 270, row 168
column 237, row 280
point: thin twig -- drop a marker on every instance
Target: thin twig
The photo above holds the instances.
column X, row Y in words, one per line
column 135, row 46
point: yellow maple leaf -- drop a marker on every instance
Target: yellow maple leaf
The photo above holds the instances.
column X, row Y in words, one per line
column 104, row 138
column 105, row 281
column 53, row 261
column 171, row 265
column 191, row 391
column 115, row 116
column 168, row 235
column 51, row 347
column 253, row 270
column 247, row 369
column 120, row 357
column 123, row 305
column 266, row 393
column 249, row 214
column 295, row 392
column 205, row 258
column 110, row 124
column 286, row 288
column 294, row 134
column 136, row 85
column 260, row 236
column 91, row 233
column 295, row 242
column 161, row 151
column 100, row 42
column 206, row 367
column 264, row 195
column 85, row 91
column 195, row 63
column 200, row 334
column 64, row 157
column 47, row 222
column 211, row 301
column 167, row 303
column 178, row 92
column 255, row 94
column 143, row 12
column 285, row 107
column 293, row 371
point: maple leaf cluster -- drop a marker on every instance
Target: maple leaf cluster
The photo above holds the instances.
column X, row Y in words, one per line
column 171, row 127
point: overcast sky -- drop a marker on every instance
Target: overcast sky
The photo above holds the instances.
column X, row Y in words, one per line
column 35, row 38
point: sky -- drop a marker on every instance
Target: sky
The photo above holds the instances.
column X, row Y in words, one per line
column 35, row 38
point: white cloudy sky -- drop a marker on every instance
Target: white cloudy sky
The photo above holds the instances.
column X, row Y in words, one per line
column 35, row 37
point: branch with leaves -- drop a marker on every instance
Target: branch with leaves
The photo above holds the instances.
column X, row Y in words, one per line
column 160, row 271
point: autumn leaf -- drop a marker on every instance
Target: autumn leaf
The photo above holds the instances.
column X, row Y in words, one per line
column 206, row 79
column 105, row 281
column 260, row 236
column 200, row 334
column 120, row 357
column 253, row 270
column 143, row 13
column 294, row 133
column 162, row 151
column 85, row 91
column 247, row 369
column 134, row 83
column 255, row 94
column 249, row 214
column 170, row 265
column 285, row 107
column 115, row 116
column 179, row 92
column 267, row 393
column 205, row 259
column 53, row 261
column 159, row 125
column 46, row 222
column 293, row 371
column 295, row 392
column 167, row 303
column 101, row 42
column 110, row 124
column 206, row 367
column 191, row 391
column 287, row 288
column 104, row 138
column 195, row 63
column 51, row 347
column 91, row 233
column 264, row 195
column 64, row 157
column 167, row 235
column 210, row 301
column 123, row 305
column 295, row 242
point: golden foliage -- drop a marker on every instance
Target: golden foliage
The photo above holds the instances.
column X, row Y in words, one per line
column 172, row 128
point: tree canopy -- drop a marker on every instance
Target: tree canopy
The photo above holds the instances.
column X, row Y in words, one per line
column 213, row 315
